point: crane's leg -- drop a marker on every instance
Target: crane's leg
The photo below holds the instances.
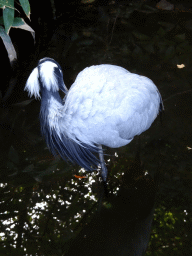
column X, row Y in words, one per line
column 104, row 190
column 104, row 171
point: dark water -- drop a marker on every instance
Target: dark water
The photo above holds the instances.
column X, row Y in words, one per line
column 49, row 207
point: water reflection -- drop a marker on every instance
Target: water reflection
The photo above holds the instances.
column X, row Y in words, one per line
column 122, row 226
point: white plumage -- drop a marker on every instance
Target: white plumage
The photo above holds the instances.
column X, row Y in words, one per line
column 106, row 105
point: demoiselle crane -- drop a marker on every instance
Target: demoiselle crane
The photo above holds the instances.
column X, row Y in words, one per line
column 106, row 105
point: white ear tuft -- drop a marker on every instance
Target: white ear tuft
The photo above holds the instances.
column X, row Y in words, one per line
column 32, row 85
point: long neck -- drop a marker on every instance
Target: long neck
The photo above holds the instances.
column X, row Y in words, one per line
column 53, row 127
column 51, row 110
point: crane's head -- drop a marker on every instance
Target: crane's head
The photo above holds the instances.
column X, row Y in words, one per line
column 48, row 74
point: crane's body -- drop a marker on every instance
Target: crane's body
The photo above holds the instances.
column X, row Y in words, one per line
column 106, row 105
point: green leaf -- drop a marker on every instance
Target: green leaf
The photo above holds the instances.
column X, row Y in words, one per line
column 8, row 45
column 7, row 3
column 8, row 17
column 26, row 7
column 20, row 23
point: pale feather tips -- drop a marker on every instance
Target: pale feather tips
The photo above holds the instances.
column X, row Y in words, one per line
column 82, row 154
